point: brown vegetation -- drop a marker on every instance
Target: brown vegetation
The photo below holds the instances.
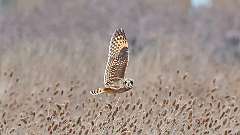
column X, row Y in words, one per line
column 185, row 67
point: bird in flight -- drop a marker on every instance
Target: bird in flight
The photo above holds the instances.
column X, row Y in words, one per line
column 114, row 76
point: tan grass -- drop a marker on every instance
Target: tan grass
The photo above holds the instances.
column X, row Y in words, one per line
column 46, row 75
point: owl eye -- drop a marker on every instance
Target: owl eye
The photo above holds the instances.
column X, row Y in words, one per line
column 131, row 82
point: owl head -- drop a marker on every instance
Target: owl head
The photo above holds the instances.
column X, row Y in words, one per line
column 128, row 83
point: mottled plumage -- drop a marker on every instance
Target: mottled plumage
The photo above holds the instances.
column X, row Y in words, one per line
column 114, row 77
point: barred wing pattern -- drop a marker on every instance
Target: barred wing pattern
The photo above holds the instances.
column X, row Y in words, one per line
column 117, row 58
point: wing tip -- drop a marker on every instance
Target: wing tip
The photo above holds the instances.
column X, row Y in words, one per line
column 96, row 91
column 119, row 31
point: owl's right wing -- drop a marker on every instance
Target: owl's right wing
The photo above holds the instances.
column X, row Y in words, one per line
column 117, row 58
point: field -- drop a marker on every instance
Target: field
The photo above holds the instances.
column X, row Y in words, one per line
column 184, row 62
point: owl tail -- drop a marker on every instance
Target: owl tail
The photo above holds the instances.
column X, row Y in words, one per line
column 100, row 91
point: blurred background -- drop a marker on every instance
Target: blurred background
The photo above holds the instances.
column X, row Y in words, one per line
column 44, row 41
column 184, row 59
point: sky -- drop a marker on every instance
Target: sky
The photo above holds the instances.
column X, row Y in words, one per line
column 200, row 3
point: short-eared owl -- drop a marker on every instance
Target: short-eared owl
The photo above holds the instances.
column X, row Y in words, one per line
column 114, row 77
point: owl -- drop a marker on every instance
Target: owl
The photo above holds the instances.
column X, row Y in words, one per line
column 114, row 76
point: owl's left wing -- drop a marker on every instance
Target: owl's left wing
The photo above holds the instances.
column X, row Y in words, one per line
column 117, row 58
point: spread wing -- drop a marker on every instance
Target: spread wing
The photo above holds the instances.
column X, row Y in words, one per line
column 117, row 58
